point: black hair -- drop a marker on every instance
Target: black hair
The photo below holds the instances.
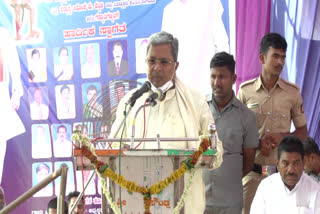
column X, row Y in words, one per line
column 310, row 146
column 290, row 144
column 63, row 48
column 64, row 87
column 73, row 194
column 223, row 59
column 92, row 87
column 53, row 204
column 61, row 126
column 35, row 51
column 273, row 40
column 42, row 166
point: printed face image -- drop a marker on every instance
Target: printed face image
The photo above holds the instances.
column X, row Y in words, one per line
column 90, row 54
column 42, row 173
column 65, row 95
column 63, row 57
column 62, row 133
column 92, row 94
column 117, row 52
column 38, row 96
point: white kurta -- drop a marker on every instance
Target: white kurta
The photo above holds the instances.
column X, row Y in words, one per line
column 10, row 124
column 183, row 113
column 273, row 197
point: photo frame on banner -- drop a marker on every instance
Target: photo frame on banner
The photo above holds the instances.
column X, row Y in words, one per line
column 70, row 177
column 63, row 63
column 41, row 170
column 61, row 138
column 118, row 58
column 41, row 141
column 90, row 60
column 37, row 64
column 141, row 45
column 39, row 103
column 65, row 101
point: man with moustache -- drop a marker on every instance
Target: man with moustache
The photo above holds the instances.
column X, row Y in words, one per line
column 183, row 112
column 276, row 104
column 289, row 190
column 237, row 128
column 118, row 66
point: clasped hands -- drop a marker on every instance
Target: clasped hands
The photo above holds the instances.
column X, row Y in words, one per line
column 268, row 142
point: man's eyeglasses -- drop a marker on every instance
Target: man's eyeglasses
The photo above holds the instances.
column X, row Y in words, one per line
column 162, row 62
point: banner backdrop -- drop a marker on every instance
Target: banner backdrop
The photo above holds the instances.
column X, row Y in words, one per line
column 68, row 50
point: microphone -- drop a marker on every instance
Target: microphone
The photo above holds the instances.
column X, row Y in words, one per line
column 144, row 88
column 158, row 94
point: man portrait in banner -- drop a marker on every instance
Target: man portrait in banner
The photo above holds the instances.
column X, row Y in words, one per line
column 118, row 65
column 10, row 124
column 141, row 49
column 90, row 68
column 65, row 101
column 62, row 146
column 63, row 68
column 39, row 110
column 41, row 171
column 41, row 144
column 37, row 68
column 91, row 105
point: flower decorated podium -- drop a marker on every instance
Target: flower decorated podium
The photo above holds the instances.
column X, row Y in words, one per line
column 151, row 181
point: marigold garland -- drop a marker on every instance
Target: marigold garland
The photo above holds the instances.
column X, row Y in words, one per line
column 103, row 170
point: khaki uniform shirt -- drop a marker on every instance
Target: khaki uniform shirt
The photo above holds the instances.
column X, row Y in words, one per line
column 274, row 110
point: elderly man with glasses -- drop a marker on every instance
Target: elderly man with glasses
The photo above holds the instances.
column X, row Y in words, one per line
column 181, row 112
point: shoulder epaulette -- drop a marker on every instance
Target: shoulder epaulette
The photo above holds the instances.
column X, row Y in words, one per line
column 247, row 82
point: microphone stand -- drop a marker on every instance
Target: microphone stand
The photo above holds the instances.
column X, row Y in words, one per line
column 134, row 120
column 122, row 122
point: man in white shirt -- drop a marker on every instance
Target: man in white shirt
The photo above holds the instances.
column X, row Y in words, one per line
column 90, row 69
column 182, row 112
column 62, row 147
column 289, row 190
column 38, row 110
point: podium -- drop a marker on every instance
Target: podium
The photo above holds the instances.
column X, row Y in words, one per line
column 146, row 167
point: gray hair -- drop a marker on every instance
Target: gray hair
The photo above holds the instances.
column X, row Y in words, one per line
column 162, row 38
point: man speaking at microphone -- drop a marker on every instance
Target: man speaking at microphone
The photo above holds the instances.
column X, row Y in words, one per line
column 180, row 112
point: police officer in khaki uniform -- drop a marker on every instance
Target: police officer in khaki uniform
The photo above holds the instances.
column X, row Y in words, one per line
column 275, row 102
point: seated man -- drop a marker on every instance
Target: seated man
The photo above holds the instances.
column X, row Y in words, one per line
column 71, row 199
column 2, row 199
column 183, row 112
column 289, row 190
column 53, row 204
column 312, row 159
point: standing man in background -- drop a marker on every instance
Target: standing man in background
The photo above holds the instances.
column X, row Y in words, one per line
column 276, row 103
column 10, row 124
column 237, row 128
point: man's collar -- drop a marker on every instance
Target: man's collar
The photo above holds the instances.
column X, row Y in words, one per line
column 259, row 83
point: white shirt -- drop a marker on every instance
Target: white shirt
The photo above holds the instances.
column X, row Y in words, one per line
column 274, row 197
column 90, row 70
column 39, row 112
